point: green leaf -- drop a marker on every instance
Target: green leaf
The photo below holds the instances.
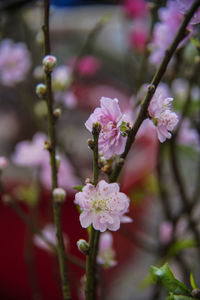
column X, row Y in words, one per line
column 180, row 245
column 78, row 188
column 192, row 281
column 167, row 279
column 179, row 297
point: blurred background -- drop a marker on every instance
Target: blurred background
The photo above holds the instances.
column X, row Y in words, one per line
column 102, row 49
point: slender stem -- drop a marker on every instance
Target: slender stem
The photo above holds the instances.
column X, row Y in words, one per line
column 52, row 151
column 142, row 115
column 91, row 280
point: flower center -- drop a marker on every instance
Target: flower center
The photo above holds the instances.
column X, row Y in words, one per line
column 100, row 204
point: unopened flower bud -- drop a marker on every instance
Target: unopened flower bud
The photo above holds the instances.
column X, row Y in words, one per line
column 96, row 128
column 106, row 168
column 88, row 180
column 3, row 163
column 47, row 145
column 57, row 112
column 151, row 88
column 59, row 195
column 40, row 90
column 57, row 161
column 83, row 246
column 90, row 144
column 49, row 62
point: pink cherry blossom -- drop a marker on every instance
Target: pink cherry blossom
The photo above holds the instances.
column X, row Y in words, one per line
column 49, row 232
column 106, row 254
column 102, row 206
column 111, row 139
column 135, row 8
column 14, row 62
column 88, row 65
column 184, row 6
column 160, row 111
column 166, row 122
column 33, row 154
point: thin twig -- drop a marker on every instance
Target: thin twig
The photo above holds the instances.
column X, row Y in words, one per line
column 52, row 136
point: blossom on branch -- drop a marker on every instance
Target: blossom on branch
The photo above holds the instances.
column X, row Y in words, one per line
column 102, row 206
column 49, row 233
column 114, row 124
column 165, row 30
column 160, row 112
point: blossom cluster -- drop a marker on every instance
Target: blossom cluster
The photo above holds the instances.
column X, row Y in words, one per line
column 102, row 206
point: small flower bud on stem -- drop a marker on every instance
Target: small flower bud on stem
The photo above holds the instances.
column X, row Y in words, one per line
column 49, row 62
column 96, row 128
column 59, row 195
column 41, row 90
column 83, row 246
column 90, row 144
column 57, row 113
column 47, row 145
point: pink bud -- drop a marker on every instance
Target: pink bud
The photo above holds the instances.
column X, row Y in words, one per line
column 49, row 62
